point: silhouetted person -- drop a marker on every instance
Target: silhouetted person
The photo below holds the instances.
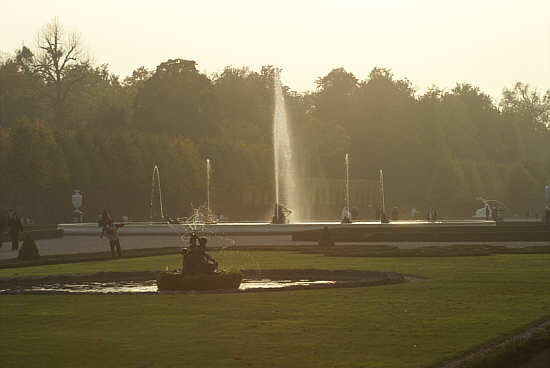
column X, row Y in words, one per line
column 15, row 228
column 547, row 215
column 326, row 239
column 487, row 212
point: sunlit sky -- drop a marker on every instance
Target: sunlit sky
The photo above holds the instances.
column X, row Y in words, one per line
column 491, row 44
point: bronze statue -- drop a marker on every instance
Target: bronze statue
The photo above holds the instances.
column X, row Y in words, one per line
column 195, row 259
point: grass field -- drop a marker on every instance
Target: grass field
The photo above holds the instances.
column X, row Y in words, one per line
column 466, row 301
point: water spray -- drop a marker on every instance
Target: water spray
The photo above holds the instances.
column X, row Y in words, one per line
column 286, row 191
column 156, row 172
column 208, row 185
column 347, row 181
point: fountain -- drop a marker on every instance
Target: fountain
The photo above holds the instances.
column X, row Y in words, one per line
column 199, row 271
column 208, row 214
column 157, row 176
column 383, row 218
column 203, row 214
column 346, row 212
column 286, row 191
column 248, row 280
column 208, row 185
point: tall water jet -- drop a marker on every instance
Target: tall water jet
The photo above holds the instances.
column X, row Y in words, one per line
column 383, row 218
column 208, row 172
column 156, row 175
column 286, row 191
column 347, row 181
column 346, row 212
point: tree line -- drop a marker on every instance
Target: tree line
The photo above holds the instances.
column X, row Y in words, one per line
column 68, row 124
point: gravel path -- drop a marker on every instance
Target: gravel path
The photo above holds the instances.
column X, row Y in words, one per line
column 76, row 244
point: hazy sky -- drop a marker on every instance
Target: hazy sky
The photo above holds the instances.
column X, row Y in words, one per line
column 491, row 44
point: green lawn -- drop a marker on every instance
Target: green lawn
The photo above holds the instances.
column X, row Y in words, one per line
column 465, row 302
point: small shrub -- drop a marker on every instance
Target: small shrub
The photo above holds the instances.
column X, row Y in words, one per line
column 29, row 250
column 326, row 239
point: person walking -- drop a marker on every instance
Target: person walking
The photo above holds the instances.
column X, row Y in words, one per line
column 110, row 230
column 15, row 228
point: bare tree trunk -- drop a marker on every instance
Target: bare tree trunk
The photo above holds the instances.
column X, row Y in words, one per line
column 58, row 53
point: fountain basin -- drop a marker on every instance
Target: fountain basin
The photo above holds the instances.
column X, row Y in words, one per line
column 143, row 282
column 216, row 281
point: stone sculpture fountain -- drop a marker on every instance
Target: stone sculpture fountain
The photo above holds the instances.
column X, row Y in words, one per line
column 199, row 271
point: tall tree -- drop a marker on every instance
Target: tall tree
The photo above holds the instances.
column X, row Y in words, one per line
column 334, row 96
column 58, row 54
column 528, row 104
column 177, row 99
column 21, row 91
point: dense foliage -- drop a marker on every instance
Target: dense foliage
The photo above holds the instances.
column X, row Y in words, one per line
column 83, row 128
